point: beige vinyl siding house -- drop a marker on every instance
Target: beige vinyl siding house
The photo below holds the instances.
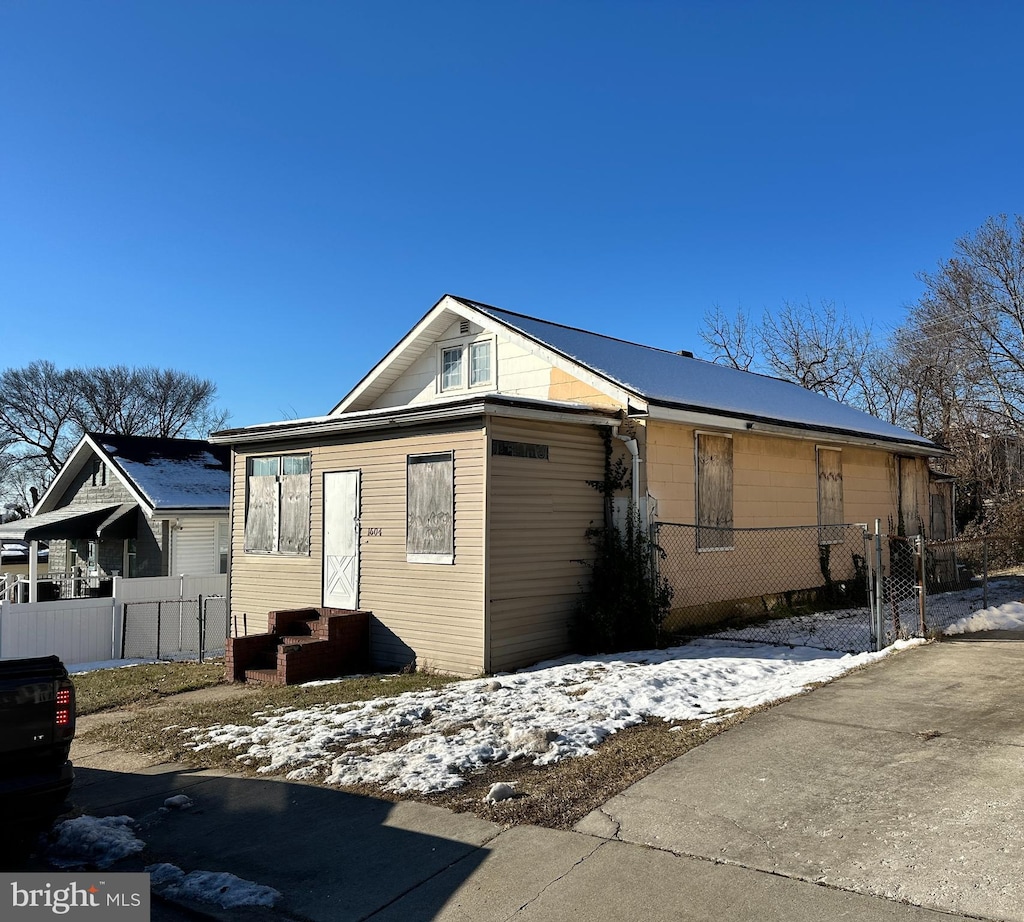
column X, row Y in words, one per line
column 449, row 493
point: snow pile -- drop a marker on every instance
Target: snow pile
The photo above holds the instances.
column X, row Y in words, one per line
column 91, row 841
column 217, row 887
column 553, row 711
column 1007, row 617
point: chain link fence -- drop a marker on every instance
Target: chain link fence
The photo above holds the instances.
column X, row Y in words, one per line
column 950, row 580
column 175, row 629
column 834, row 587
column 805, row 585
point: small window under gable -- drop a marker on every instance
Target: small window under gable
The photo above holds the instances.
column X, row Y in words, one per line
column 465, row 364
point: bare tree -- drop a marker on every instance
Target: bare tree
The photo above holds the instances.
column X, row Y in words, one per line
column 976, row 299
column 730, row 340
column 44, row 410
column 818, row 347
column 146, row 401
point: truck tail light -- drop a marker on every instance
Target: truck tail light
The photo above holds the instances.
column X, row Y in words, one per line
column 64, row 715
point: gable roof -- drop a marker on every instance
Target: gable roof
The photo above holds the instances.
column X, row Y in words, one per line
column 646, row 380
column 680, row 381
column 161, row 474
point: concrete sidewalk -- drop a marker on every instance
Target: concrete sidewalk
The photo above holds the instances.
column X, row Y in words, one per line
column 898, row 784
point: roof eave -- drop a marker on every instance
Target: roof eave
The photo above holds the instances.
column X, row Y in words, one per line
column 749, row 423
column 401, row 417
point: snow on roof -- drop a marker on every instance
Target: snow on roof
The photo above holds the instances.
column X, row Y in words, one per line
column 172, row 473
column 671, row 379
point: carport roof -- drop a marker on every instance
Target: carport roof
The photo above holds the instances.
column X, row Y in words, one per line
column 70, row 522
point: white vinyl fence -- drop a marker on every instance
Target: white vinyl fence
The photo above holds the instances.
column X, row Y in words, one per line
column 92, row 630
column 77, row 630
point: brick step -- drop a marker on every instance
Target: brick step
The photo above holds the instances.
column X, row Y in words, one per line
column 297, row 639
column 263, row 676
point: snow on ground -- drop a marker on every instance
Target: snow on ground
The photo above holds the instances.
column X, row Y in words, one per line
column 553, row 711
column 217, row 887
column 100, row 842
column 1006, row 617
column 91, row 841
column 849, row 629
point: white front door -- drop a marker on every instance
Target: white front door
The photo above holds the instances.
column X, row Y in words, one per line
column 341, row 539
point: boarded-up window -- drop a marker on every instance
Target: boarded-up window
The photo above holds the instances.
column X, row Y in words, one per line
column 714, row 492
column 939, row 517
column 830, row 495
column 277, row 511
column 910, row 482
column 430, row 510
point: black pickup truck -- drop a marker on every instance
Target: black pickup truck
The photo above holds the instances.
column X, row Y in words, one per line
column 37, row 724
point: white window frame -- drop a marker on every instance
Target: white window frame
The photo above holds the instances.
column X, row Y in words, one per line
column 464, row 346
column 278, row 500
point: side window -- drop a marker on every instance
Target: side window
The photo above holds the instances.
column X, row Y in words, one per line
column 277, row 508
column 714, row 492
column 430, row 508
column 223, row 539
column 830, row 495
column 451, row 369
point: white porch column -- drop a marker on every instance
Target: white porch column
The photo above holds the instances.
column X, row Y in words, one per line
column 33, row 570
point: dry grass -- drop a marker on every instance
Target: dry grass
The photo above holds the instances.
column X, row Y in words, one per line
column 136, row 686
column 557, row 795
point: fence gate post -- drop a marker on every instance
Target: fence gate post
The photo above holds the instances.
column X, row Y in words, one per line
column 879, row 593
column 201, row 620
column 984, row 573
column 869, row 564
column 159, row 611
column 922, row 586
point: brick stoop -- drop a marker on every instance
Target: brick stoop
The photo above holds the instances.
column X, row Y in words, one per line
column 301, row 645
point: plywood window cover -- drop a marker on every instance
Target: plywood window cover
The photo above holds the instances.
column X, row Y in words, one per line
column 465, row 349
column 430, row 508
column 277, row 507
column 830, row 495
column 714, row 530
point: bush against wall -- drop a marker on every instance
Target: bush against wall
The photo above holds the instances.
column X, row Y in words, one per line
column 625, row 602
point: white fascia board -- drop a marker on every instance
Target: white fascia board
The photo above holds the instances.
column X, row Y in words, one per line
column 541, row 350
column 697, row 419
column 76, row 460
column 582, row 419
column 454, row 306
column 144, row 501
column 83, row 451
column 400, row 417
column 407, row 342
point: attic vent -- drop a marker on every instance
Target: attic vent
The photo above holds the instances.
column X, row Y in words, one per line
column 464, row 328
column 685, row 353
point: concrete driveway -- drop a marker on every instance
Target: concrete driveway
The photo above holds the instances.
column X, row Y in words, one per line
column 893, row 793
column 902, row 781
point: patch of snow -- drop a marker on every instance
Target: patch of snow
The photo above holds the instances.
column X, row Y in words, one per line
column 555, row 710
column 1006, row 617
column 499, row 791
column 178, row 802
column 216, row 887
column 91, row 841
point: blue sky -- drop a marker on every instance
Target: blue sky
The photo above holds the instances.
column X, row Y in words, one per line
column 270, row 194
